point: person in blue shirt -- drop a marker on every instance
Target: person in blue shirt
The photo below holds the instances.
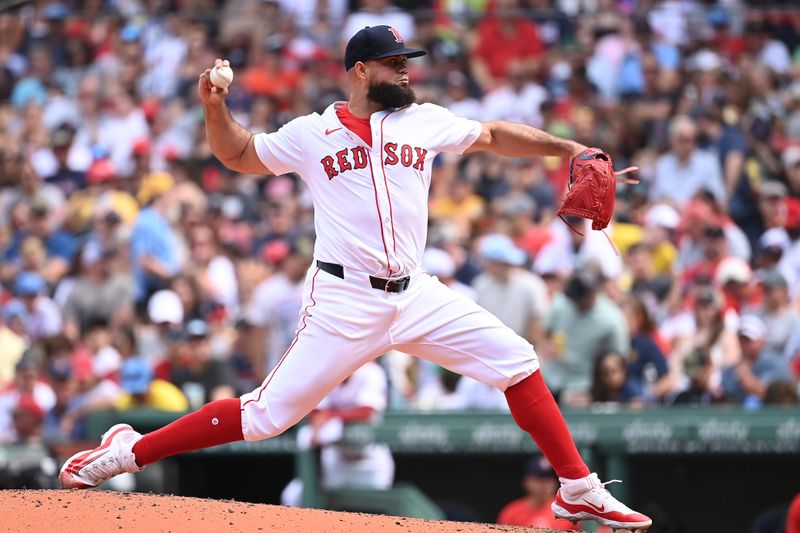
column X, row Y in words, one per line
column 59, row 244
column 153, row 255
column 746, row 382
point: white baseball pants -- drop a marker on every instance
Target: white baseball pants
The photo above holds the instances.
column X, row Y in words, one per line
column 345, row 323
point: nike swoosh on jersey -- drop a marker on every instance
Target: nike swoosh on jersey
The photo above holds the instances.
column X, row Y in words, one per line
column 328, row 132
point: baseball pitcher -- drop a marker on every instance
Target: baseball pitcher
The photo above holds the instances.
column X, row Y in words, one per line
column 367, row 164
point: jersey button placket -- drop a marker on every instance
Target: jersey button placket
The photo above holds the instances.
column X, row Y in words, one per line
column 383, row 195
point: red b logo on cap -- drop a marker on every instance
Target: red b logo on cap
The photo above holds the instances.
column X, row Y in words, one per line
column 396, row 34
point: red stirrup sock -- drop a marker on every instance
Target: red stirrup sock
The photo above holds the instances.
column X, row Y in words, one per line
column 534, row 409
column 215, row 423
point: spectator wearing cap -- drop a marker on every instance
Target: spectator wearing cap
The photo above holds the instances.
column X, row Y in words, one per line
column 59, row 423
column 583, row 324
column 513, row 294
column 747, row 381
column 661, row 223
column 27, row 383
column 153, row 255
column 539, row 482
column 772, row 196
column 66, row 175
column 780, row 318
column 734, row 276
column 42, row 314
column 772, row 255
column 28, row 463
column 165, row 314
column 698, row 370
column 686, row 169
column 15, row 317
column 196, row 369
column 100, row 197
column 439, row 263
column 272, row 311
column 27, row 416
column 107, row 193
column 142, row 391
column 98, row 292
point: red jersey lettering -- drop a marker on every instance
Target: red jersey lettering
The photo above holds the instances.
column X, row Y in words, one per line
column 341, row 158
column 359, row 158
column 420, row 163
column 391, row 153
column 405, row 155
column 327, row 164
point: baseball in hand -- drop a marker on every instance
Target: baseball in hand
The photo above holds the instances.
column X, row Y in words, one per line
column 221, row 76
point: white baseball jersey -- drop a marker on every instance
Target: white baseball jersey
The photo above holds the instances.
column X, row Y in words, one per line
column 371, row 218
column 370, row 203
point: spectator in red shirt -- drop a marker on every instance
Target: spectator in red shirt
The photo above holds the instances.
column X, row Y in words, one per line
column 504, row 37
column 533, row 510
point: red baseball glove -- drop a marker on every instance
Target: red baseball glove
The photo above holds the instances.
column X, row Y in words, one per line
column 592, row 187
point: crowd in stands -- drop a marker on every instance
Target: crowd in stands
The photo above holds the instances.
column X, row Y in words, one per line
column 136, row 271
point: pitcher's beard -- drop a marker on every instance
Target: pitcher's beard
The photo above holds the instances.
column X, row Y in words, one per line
column 391, row 95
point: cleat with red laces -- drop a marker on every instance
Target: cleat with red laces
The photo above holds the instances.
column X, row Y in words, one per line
column 588, row 499
column 114, row 456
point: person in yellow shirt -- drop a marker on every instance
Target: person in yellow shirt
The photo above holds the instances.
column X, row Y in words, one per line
column 142, row 391
column 462, row 205
column 104, row 193
column 661, row 223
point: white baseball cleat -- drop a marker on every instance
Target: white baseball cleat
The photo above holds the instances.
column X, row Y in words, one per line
column 588, row 499
column 114, row 456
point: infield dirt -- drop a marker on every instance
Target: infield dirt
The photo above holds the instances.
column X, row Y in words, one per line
column 64, row 511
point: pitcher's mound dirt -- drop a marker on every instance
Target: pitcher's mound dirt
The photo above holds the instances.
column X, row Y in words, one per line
column 99, row 511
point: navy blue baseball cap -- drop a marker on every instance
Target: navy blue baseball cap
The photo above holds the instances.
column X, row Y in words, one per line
column 376, row 42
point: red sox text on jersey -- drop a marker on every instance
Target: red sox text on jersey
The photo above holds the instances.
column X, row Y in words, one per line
column 370, row 198
column 356, row 158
